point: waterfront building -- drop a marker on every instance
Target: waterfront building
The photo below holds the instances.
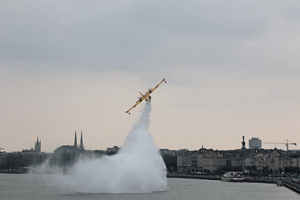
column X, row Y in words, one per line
column 285, row 161
column 238, row 162
column 182, row 163
column 190, row 163
column 296, row 162
column 200, row 163
column 276, row 162
column 260, row 161
column 212, row 164
column 249, row 162
column 211, row 160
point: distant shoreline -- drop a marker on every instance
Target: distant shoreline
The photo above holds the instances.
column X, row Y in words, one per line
column 286, row 182
column 186, row 176
column 272, row 180
column 5, row 171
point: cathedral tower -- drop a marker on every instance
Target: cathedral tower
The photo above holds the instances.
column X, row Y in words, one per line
column 75, row 141
column 38, row 145
column 81, row 143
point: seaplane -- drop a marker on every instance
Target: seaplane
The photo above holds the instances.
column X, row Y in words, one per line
column 146, row 96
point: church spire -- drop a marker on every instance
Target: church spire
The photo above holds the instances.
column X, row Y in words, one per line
column 75, row 140
column 81, row 142
column 37, row 145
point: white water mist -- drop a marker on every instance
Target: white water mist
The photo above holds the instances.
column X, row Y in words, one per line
column 136, row 168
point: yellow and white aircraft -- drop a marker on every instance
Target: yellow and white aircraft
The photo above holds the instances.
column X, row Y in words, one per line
column 146, row 96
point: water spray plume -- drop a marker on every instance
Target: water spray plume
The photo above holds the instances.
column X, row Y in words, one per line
column 136, row 168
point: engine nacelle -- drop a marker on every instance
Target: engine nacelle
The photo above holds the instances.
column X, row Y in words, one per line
column 148, row 98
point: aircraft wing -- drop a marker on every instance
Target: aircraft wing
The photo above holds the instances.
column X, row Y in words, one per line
column 137, row 103
column 151, row 90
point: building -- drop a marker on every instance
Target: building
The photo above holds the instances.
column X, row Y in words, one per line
column 208, row 160
column 212, row 164
column 190, row 163
column 238, row 162
column 38, row 145
column 37, row 148
column 112, row 150
column 255, row 143
column 69, row 148
column 81, row 148
column 67, row 155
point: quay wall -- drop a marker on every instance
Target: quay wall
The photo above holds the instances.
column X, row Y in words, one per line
column 288, row 183
column 218, row 177
column 295, row 186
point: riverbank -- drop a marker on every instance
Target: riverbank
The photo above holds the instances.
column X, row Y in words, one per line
column 19, row 171
column 207, row 177
column 291, row 184
column 218, row 177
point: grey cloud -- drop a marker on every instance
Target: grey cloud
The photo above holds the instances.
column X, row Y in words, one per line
column 73, row 30
column 291, row 11
column 223, row 19
column 42, row 33
column 136, row 35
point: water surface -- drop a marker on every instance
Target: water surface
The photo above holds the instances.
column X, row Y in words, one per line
column 39, row 186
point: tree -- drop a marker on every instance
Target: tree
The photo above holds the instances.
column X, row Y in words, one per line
column 254, row 168
column 171, row 162
column 14, row 161
column 265, row 170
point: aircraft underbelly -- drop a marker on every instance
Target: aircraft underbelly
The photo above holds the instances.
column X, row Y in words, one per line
column 148, row 98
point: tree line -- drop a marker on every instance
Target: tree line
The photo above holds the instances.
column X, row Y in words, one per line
column 63, row 160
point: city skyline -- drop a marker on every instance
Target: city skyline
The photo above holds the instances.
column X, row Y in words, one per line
column 249, row 144
column 232, row 70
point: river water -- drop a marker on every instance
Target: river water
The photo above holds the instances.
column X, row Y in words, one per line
column 39, row 186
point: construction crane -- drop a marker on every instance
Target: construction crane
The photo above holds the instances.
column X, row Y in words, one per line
column 286, row 144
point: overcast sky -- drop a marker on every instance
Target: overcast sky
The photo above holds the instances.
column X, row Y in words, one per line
column 232, row 67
